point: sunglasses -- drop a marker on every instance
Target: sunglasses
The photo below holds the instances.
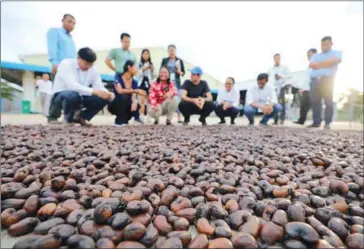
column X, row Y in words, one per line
column 196, row 74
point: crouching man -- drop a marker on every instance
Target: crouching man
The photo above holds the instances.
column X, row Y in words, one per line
column 196, row 98
column 228, row 102
column 261, row 97
column 162, row 97
column 78, row 89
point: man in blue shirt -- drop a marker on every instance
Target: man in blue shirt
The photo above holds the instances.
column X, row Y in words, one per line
column 60, row 46
column 324, row 67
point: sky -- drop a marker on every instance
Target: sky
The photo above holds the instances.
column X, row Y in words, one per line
column 235, row 39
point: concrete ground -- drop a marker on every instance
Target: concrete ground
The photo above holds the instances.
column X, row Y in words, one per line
column 31, row 119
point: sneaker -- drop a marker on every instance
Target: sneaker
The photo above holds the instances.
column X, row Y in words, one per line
column 54, row 122
column 139, row 120
column 314, row 126
column 327, row 127
column 119, row 125
column 180, row 121
column 222, row 122
column 168, row 122
column 251, row 122
column 232, row 122
column 156, row 122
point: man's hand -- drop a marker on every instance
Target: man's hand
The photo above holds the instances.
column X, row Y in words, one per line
column 141, row 92
column 278, row 77
column 314, row 65
column 201, row 102
column 134, row 106
column 111, row 96
column 267, row 110
column 101, row 94
column 225, row 105
column 54, row 69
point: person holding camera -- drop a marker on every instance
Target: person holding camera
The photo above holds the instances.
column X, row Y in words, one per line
column 261, row 97
column 162, row 97
column 279, row 76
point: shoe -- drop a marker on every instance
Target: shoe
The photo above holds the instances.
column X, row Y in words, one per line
column 186, row 121
column 222, row 122
column 66, row 123
column 275, row 123
column 251, row 123
column 232, row 122
column 203, row 121
column 82, row 122
column 119, row 125
column 327, row 127
column 299, row 123
column 263, row 124
column 156, row 122
column 139, row 120
column 180, row 121
column 168, row 122
column 54, row 122
column 314, row 126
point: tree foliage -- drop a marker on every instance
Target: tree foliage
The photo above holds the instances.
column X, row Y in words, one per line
column 7, row 92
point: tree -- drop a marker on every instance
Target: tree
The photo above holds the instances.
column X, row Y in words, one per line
column 7, row 92
column 351, row 102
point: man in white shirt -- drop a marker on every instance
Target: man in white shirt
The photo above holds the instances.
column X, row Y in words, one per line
column 228, row 102
column 305, row 104
column 78, row 84
column 279, row 76
column 261, row 96
column 44, row 86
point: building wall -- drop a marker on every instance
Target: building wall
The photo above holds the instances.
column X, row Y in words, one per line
column 157, row 53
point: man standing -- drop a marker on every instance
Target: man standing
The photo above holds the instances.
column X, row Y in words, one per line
column 60, row 42
column 196, row 98
column 77, row 83
column 261, row 96
column 305, row 104
column 44, row 86
column 228, row 102
column 324, row 67
column 60, row 46
column 279, row 76
column 120, row 55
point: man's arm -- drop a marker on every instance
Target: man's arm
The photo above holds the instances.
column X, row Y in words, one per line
column 65, row 72
column 207, row 92
column 52, row 44
column 331, row 62
column 218, row 99
column 236, row 98
column 110, row 58
column 249, row 99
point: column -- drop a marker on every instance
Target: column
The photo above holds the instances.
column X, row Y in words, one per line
column 29, row 91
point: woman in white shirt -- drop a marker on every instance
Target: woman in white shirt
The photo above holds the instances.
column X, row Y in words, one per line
column 145, row 77
column 44, row 86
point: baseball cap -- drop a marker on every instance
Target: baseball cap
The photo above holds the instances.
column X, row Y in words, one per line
column 196, row 70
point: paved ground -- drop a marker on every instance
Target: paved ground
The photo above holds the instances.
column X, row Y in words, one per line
column 19, row 119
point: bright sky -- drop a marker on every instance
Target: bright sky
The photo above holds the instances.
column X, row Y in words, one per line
column 225, row 38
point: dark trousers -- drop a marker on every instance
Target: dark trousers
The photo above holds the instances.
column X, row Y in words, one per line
column 282, row 100
column 322, row 88
column 71, row 101
column 121, row 108
column 305, row 106
column 231, row 112
column 187, row 109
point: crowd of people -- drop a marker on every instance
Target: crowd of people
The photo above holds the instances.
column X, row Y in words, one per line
column 140, row 92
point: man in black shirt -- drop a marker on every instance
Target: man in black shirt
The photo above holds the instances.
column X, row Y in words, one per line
column 196, row 98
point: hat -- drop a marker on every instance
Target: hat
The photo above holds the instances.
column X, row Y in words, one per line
column 196, row 70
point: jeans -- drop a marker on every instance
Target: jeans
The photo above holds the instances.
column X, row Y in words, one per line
column 304, row 106
column 250, row 112
column 187, row 109
column 322, row 88
column 231, row 112
column 282, row 100
column 71, row 101
column 121, row 108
